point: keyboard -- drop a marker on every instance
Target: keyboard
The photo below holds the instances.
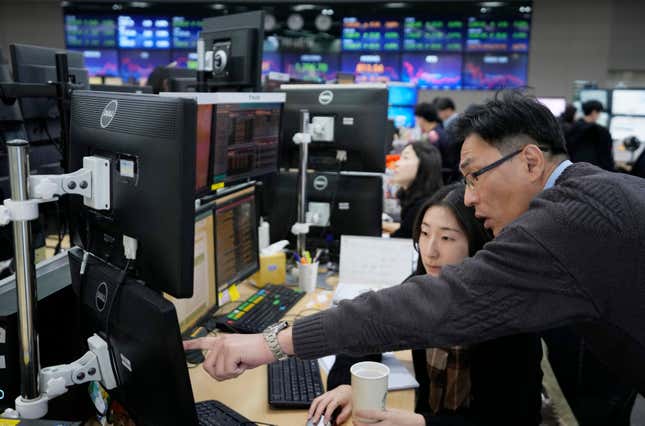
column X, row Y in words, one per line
column 214, row 413
column 262, row 309
column 294, row 383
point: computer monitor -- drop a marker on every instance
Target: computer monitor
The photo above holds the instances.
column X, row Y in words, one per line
column 150, row 141
column 600, row 95
column 35, row 64
column 432, row 70
column 313, row 67
column 244, row 130
column 622, row 127
column 101, row 62
column 555, row 105
column 271, row 62
column 144, row 342
column 135, row 65
column 10, row 115
column 403, row 116
column 345, row 117
column 236, row 236
column 347, row 205
column 204, row 300
column 125, row 88
column 628, row 102
column 185, row 59
column 401, row 94
column 233, row 50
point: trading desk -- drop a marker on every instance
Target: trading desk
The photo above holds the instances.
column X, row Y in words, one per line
column 248, row 393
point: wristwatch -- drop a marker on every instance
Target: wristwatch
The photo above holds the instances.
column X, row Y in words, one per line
column 271, row 337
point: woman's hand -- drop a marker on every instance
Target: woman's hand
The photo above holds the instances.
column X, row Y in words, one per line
column 390, row 417
column 326, row 403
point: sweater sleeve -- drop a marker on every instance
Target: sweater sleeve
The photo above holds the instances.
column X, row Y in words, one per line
column 513, row 285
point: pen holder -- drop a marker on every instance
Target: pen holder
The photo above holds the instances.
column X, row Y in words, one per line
column 307, row 276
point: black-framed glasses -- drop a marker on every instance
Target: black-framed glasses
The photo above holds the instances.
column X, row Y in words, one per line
column 471, row 177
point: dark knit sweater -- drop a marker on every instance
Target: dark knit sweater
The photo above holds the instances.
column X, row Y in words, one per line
column 576, row 256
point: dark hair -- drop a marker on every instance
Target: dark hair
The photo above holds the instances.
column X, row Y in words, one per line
column 444, row 103
column 157, row 78
column 428, row 178
column 569, row 113
column 427, row 111
column 506, row 120
column 452, row 197
column 591, row 106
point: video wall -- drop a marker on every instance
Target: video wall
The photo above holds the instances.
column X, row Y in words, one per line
column 475, row 51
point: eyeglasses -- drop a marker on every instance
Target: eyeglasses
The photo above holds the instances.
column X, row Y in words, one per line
column 471, row 178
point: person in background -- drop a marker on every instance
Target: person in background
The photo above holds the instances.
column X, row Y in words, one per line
column 568, row 117
column 418, row 173
column 428, row 121
column 497, row 382
column 446, row 110
column 158, row 79
column 588, row 141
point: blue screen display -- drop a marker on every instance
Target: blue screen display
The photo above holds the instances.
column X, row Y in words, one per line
column 185, row 59
column 372, row 67
column 271, row 62
column 90, row 31
column 136, row 65
column 185, row 32
column 376, row 35
column 402, row 116
column 432, row 70
column 433, row 34
column 311, row 66
column 101, row 62
column 495, row 71
column 401, row 94
column 144, row 32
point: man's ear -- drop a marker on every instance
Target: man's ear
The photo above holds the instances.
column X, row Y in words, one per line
column 535, row 161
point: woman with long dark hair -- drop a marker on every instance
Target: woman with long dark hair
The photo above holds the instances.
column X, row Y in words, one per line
column 418, row 173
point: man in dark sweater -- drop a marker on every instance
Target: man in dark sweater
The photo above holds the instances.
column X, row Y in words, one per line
column 588, row 141
column 568, row 249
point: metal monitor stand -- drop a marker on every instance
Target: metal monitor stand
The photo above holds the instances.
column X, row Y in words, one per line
column 303, row 138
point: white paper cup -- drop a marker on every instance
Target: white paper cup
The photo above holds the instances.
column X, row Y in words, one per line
column 307, row 276
column 369, row 387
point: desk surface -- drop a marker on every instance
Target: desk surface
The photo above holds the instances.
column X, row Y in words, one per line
column 247, row 394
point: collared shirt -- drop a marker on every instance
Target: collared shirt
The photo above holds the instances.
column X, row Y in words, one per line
column 556, row 173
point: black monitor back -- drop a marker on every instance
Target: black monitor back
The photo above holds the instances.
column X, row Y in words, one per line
column 144, row 340
column 245, row 32
column 151, row 142
column 35, row 64
column 360, row 126
column 357, row 206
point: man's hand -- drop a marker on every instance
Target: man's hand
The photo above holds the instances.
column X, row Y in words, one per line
column 390, row 417
column 230, row 355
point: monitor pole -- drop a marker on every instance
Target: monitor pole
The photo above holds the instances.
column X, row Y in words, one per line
column 303, row 138
column 25, row 274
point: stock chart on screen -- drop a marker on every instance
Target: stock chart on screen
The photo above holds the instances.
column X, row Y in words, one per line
column 433, row 34
column 185, row 32
column 144, row 32
column 184, row 59
column 101, row 62
column 90, row 31
column 371, row 34
column 271, row 62
column 136, row 65
column 311, row 66
column 372, row 67
column 491, row 71
column 432, row 71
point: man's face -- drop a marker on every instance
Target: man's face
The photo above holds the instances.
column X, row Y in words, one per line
column 445, row 113
column 499, row 195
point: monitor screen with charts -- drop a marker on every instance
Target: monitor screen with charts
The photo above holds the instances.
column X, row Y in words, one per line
column 628, row 102
column 204, row 299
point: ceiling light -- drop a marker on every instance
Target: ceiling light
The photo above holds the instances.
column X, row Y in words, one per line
column 218, row 6
column 303, row 7
column 395, row 5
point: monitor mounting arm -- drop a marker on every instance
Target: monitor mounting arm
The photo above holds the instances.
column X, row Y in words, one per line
column 303, row 139
column 93, row 183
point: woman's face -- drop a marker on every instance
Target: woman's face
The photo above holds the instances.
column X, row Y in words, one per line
column 441, row 241
column 405, row 170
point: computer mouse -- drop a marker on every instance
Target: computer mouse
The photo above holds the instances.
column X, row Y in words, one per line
column 321, row 422
column 194, row 356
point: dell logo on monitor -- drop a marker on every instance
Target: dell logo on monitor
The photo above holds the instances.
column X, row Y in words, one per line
column 108, row 113
column 320, row 183
column 101, row 297
column 326, row 97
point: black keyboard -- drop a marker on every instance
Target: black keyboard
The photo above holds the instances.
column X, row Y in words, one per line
column 214, row 413
column 262, row 309
column 294, row 383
